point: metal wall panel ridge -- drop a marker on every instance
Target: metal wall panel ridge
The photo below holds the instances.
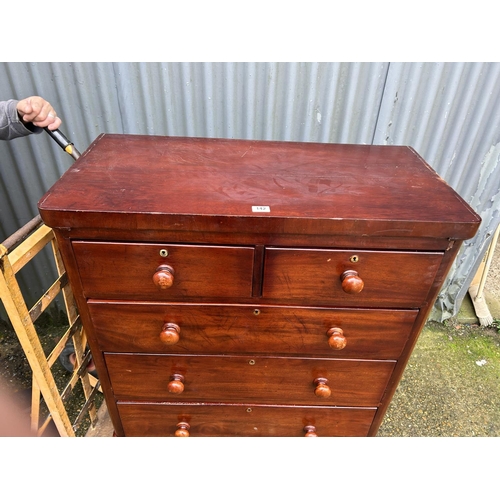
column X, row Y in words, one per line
column 449, row 113
column 446, row 111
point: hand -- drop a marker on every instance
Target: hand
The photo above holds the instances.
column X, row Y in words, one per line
column 38, row 111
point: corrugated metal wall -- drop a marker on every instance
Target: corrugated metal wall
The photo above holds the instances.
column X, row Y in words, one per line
column 447, row 111
column 450, row 113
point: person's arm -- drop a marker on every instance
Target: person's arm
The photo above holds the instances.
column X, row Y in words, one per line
column 25, row 117
column 11, row 125
column 38, row 111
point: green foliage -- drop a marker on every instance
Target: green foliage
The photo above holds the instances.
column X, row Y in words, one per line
column 496, row 325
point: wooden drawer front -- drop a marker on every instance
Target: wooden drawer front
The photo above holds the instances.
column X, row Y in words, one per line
column 248, row 379
column 391, row 279
column 126, row 270
column 158, row 420
column 140, row 327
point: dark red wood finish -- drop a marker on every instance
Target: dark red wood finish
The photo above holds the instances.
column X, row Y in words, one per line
column 248, row 379
column 259, row 329
column 148, row 182
column 232, row 287
column 244, row 420
column 315, row 276
column 126, row 270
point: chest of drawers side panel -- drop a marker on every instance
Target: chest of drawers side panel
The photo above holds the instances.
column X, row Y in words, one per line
column 70, row 263
column 448, row 259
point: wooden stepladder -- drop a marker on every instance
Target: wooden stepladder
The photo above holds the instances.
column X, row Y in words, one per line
column 15, row 252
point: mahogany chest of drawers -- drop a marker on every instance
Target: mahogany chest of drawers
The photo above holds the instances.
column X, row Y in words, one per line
column 252, row 288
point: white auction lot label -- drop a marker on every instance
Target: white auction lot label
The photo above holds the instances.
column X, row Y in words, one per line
column 261, row 208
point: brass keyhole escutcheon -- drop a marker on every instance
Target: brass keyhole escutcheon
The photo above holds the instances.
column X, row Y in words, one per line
column 251, row 362
column 256, row 312
column 354, row 258
column 164, row 252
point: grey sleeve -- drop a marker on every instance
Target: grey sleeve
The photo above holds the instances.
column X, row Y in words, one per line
column 11, row 125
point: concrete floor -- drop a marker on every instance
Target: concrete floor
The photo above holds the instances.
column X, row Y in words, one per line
column 451, row 384
column 103, row 427
column 467, row 314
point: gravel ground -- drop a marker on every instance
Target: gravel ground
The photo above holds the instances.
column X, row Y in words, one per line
column 16, row 375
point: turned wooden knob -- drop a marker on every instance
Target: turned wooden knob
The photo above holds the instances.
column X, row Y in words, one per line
column 182, row 429
column 351, row 282
column 176, row 384
column 163, row 278
column 322, row 390
column 170, row 333
column 310, row 431
column 336, row 338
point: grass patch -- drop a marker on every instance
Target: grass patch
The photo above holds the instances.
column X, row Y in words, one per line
column 450, row 386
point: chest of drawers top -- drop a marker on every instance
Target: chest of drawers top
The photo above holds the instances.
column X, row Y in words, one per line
column 153, row 183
